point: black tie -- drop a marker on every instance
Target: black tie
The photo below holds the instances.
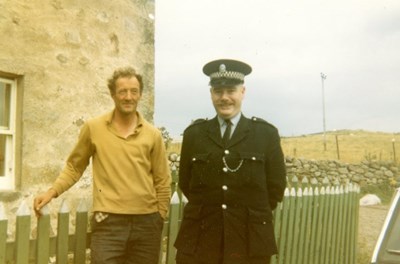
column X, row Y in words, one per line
column 227, row 133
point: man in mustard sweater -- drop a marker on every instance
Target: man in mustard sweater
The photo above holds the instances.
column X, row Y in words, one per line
column 131, row 177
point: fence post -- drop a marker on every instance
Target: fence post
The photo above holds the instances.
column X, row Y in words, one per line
column 351, row 223
column 289, row 245
column 305, row 182
column 308, row 230
column 335, row 226
column 277, row 213
column 23, row 227
column 325, row 227
column 298, row 212
column 330, row 226
column 3, row 234
column 43, row 237
column 62, row 234
column 347, row 229
column 294, row 182
column 314, row 182
column 284, row 227
column 173, row 227
column 357, row 219
column 80, row 232
column 319, row 215
column 339, row 239
column 354, row 222
column 174, row 159
column 303, row 242
column 182, row 204
column 314, row 225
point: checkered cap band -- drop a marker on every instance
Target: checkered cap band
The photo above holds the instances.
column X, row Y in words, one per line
column 228, row 75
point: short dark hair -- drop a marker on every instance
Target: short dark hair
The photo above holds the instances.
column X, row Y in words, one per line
column 125, row 72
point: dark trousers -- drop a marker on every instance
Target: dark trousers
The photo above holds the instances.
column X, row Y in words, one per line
column 126, row 239
column 261, row 260
column 194, row 262
column 197, row 260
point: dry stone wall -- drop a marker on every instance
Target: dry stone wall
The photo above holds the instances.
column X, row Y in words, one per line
column 368, row 172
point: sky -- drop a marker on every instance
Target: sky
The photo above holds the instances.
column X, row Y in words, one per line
column 355, row 43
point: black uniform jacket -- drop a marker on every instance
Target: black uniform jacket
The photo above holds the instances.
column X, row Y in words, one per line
column 232, row 191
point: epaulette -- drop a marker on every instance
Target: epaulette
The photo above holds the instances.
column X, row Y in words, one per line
column 260, row 120
column 197, row 121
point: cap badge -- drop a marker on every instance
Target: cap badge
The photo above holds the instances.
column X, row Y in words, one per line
column 222, row 68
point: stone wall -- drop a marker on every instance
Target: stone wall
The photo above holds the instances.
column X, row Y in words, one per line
column 61, row 53
column 368, row 172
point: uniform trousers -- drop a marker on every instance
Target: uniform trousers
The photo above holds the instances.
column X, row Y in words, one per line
column 183, row 258
column 252, row 261
column 126, row 239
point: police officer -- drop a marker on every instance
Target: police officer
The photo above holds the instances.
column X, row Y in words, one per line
column 232, row 171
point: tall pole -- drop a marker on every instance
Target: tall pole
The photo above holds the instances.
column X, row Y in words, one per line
column 323, row 77
column 337, row 147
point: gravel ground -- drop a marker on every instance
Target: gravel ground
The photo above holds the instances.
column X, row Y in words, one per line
column 371, row 220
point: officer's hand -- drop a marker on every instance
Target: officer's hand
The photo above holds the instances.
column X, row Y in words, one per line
column 43, row 199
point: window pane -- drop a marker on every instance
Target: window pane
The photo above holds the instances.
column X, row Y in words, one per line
column 5, row 100
column 2, row 155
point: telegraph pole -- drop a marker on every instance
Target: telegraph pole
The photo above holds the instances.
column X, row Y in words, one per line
column 323, row 78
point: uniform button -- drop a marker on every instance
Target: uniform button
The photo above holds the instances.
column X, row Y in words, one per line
column 194, row 159
column 224, row 187
column 253, row 158
column 226, row 151
column 224, row 206
column 225, row 169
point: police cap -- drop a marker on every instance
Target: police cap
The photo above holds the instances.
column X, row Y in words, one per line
column 226, row 72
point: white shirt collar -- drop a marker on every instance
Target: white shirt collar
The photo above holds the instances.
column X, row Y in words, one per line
column 234, row 120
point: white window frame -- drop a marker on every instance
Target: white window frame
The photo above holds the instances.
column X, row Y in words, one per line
column 7, row 181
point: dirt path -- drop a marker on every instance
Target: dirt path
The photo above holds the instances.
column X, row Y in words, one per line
column 371, row 220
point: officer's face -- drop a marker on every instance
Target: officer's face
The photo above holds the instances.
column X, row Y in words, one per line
column 227, row 101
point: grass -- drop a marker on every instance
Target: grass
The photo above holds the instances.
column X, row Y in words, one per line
column 351, row 146
column 383, row 191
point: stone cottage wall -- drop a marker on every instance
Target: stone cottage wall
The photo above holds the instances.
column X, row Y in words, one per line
column 62, row 53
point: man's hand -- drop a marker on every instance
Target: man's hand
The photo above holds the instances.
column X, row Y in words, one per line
column 43, row 199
